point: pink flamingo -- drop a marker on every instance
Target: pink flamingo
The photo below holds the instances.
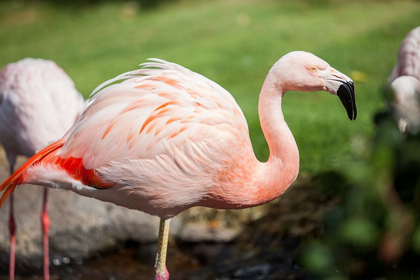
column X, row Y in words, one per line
column 167, row 139
column 405, row 82
column 38, row 104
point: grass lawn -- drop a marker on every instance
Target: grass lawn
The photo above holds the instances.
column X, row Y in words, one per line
column 234, row 43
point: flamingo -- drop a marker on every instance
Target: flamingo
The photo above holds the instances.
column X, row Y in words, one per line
column 165, row 139
column 38, row 104
column 405, row 82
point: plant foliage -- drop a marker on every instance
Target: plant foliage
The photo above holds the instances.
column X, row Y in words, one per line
column 374, row 231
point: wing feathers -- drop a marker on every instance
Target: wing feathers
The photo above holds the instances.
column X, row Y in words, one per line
column 18, row 177
column 161, row 102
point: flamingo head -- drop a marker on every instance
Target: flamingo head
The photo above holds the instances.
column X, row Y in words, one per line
column 303, row 71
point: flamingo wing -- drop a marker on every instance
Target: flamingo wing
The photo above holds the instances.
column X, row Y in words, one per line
column 64, row 99
column 159, row 105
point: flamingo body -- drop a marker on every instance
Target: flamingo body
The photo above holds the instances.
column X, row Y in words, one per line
column 408, row 63
column 405, row 82
column 38, row 104
column 166, row 139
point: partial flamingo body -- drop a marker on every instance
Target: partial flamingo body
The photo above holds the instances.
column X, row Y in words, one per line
column 408, row 63
column 405, row 82
column 38, row 104
column 166, row 139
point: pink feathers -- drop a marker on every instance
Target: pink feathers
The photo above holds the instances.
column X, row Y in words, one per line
column 39, row 104
column 166, row 139
column 408, row 56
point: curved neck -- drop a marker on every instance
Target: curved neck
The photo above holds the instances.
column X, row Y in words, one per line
column 247, row 182
column 282, row 167
column 272, row 120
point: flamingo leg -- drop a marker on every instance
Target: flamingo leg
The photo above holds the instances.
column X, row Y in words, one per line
column 45, row 229
column 12, row 230
column 161, row 273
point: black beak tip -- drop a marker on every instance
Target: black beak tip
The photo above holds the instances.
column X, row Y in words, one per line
column 347, row 97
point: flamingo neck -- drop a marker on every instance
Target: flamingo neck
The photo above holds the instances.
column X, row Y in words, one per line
column 279, row 138
column 248, row 182
column 282, row 167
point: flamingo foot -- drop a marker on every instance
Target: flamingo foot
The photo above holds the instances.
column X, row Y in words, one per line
column 162, row 276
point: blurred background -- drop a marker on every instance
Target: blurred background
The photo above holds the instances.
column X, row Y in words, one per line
column 353, row 212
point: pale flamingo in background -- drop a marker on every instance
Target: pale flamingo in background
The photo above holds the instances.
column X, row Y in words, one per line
column 38, row 104
column 405, row 82
column 167, row 139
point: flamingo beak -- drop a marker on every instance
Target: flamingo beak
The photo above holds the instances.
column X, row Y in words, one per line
column 348, row 98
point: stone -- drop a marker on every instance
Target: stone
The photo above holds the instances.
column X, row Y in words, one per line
column 205, row 232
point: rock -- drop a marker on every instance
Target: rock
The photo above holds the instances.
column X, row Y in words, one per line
column 205, row 232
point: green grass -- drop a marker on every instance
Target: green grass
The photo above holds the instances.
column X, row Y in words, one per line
column 234, row 43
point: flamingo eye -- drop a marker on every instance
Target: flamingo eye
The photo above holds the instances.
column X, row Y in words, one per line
column 313, row 68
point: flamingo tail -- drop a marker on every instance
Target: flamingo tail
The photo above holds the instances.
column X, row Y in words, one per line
column 17, row 178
